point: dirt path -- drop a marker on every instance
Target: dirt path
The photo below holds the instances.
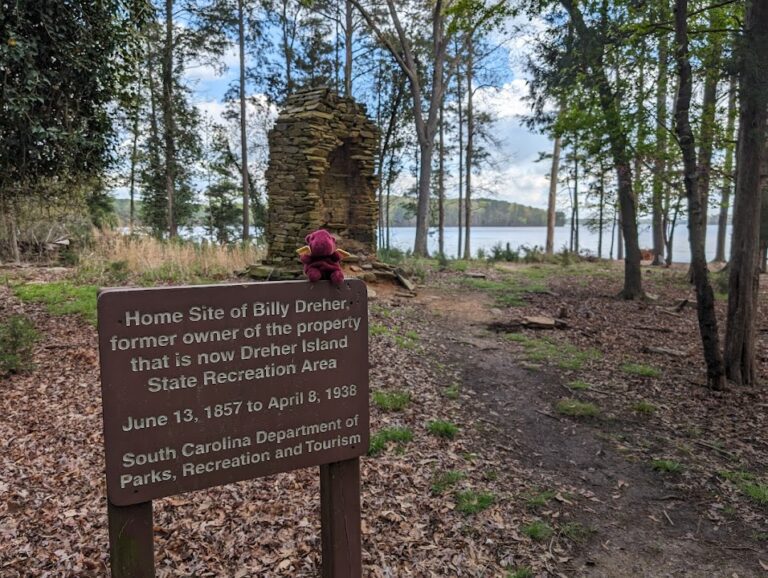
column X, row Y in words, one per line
column 644, row 524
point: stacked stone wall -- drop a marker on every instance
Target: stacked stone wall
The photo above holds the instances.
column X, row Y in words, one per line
column 321, row 174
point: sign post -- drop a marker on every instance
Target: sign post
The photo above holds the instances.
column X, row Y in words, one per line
column 209, row 385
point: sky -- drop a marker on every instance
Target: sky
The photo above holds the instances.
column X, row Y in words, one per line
column 515, row 176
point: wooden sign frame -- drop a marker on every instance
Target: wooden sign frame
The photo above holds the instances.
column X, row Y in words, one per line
column 130, row 519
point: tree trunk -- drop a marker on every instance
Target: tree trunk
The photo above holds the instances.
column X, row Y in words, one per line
column 470, row 152
column 243, row 122
column 441, row 187
column 744, row 277
column 660, row 162
column 705, row 297
column 727, row 187
column 348, row 32
column 592, row 51
column 600, row 218
column 460, row 115
column 132, row 177
column 576, row 194
column 709, row 104
column 168, row 120
column 552, row 204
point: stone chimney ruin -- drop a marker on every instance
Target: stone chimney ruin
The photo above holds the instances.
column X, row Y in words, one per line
column 321, row 174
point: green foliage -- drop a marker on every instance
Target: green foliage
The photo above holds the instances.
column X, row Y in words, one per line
column 444, row 480
column 61, row 298
column 575, row 408
column 472, row 502
column 391, row 400
column 576, row 532
column 667, row 466
column 405, row 342
column 644, row 407
column 443, row 429
column 376, row 329
column 537, row 530
column 579, row 385
column 747, row 483
column 63, row 66
column 17, row 340
column 520, row 572
column 564, row 355
column 379, row 441
column 641, row 370
column 540, row 499
column 452, row 391
column 757, row 492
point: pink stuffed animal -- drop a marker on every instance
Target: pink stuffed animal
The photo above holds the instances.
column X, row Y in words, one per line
column 321, row 258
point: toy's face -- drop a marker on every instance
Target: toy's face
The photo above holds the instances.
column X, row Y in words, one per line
column 321, row 243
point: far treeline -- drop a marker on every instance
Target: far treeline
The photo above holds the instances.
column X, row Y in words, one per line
column 654, row 110
column 485, row 213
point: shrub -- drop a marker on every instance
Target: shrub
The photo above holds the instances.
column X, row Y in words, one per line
column 17, row 340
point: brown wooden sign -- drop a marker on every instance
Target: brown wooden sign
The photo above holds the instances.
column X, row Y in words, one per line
column 208, row 385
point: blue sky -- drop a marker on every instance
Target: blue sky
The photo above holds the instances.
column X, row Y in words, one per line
column 516, row 177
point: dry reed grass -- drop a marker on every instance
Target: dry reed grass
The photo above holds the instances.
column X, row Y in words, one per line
column 146, row 260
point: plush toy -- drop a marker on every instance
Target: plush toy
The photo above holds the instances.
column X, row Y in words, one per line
column 321, row 258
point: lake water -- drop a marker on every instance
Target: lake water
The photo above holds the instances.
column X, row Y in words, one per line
column 486, row 237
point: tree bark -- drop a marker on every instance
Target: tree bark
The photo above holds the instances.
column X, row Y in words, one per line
column 592, row 53
column 744, row 277
column 660, row 162
column 460, row 119
column 728, row 176
column 552, row 204
column 168, row 120
column 348, row 32
column 470, row 152
column 705, row 297
column 243, row 121
column 441, row 186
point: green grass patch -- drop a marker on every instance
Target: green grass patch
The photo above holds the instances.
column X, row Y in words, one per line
column 452, row 391
column 17, row 341
column 444, row 480
column 458, row 265
column 576, row 408
column 472, row 502
column 405, row 342
column 563, row 355
column 61, row 298
column 376, row 329
column 540, row 499
column 443, row 429
column 520, row 572
column 391, row 400
column 667, row 466
column 379, row 441
column 641, row 370
column 748, row 484
column 579, row 385
column 537, row 530
column 644, row 407
column 576, row 532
